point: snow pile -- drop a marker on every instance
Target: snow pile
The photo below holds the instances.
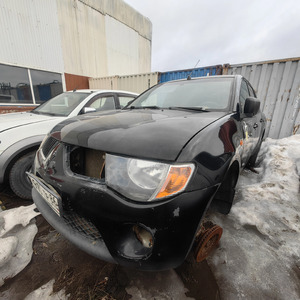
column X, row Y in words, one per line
column 259, row 254
column 45, row 292
column 17, row 232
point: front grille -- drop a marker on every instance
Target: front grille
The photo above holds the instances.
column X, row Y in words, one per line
column 49, row 145
column 88, row 162
column 82, row 225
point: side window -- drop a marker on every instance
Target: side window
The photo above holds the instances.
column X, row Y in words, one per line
column 124, row 100
column 251, row 91
column 102, row 103
column 244, row 94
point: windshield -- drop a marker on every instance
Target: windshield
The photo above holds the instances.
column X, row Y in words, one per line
column 207, row 94
column 61, row 105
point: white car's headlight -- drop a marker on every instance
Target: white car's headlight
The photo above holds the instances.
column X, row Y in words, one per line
column 144, row 180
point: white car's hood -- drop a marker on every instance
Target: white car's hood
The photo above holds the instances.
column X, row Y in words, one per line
column 14, row 120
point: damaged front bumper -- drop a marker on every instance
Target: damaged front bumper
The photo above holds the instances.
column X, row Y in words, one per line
column 144, row 236
column 154, row 235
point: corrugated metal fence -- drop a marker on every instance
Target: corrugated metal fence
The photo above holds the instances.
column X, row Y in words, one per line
column 277, row 85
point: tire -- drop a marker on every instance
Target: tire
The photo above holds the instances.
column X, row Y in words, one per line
column 18, row 180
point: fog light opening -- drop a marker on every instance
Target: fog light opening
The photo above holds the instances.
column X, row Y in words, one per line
column 143, row 236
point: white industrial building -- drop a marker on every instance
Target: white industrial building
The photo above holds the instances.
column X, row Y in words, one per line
column 48, row 46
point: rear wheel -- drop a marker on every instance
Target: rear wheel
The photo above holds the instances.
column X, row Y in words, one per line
column 18, row 180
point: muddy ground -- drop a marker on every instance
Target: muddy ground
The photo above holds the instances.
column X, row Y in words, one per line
column 85, row 277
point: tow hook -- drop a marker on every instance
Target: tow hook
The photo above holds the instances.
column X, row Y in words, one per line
column 206, row 240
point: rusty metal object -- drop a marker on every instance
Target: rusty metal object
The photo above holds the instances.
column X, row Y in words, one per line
column 207, row 239
column 143, row 236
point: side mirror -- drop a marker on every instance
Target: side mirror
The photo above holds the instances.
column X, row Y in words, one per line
column 86, row 110
column 251, row 106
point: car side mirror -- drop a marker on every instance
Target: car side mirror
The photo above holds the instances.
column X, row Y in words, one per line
column 86, row 110
column 251, row 106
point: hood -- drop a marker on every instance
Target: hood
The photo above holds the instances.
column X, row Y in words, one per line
column 152, row 134
column 14, row 120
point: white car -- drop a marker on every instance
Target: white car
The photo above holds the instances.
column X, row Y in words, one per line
column 22, row 133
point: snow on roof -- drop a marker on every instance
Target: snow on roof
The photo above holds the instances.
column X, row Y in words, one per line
column 259, row 253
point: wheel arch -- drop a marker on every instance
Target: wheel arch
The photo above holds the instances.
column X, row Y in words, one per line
column 223, row 199
column 15, row 151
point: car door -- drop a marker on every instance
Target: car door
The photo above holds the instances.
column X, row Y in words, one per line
column 249, row 124
column 257, row 119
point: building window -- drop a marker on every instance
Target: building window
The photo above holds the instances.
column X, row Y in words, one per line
column 15, row 87
column 46, row 85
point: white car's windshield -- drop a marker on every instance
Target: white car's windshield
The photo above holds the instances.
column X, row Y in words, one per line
column 190, row 94
column 61, row 105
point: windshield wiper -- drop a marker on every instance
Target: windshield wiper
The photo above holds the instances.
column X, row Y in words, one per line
column 190, row 108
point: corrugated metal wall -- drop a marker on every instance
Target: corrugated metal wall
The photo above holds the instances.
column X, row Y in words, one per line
column 103, row 38
column 277, row 84
column 81, row 37
column 133, row 83
column 197, row 72
column 30, row 35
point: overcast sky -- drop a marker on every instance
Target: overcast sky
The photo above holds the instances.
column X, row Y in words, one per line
column 218, row 32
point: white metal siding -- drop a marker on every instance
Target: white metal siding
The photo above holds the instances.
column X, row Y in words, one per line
column 30, row 34
column 134, row 83
column 82, row 37
column 98, row 40
column 124, row 13
column 122, row 48
column 277, row 84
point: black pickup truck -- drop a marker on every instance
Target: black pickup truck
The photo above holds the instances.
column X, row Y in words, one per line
column 132, row 186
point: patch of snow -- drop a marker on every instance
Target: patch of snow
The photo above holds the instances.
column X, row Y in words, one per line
column 259, row 253
column 45, row 292
column 17, row 231
column 155, row 286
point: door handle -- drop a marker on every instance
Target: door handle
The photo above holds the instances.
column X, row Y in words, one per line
column 255, row 125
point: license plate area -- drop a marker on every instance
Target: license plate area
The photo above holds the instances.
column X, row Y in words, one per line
column 48, row 193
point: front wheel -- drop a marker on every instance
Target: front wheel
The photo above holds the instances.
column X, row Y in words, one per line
column 18, row 180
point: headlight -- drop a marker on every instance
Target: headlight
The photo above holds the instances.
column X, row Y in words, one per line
column 144, row 180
